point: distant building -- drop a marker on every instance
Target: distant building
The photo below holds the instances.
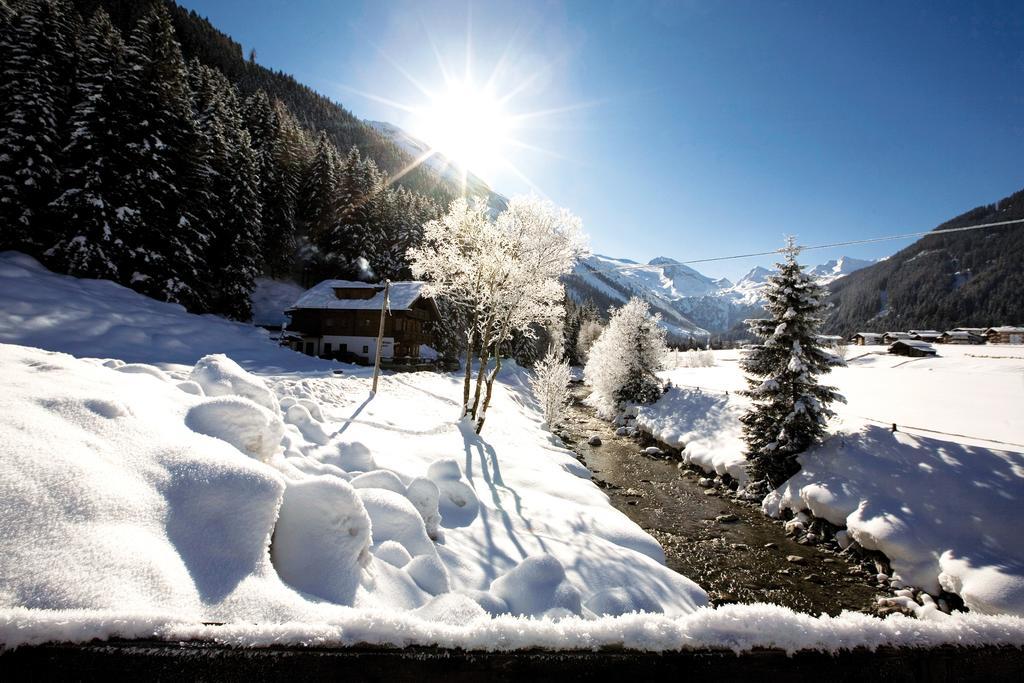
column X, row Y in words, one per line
column 868, row 338
column 891, row 337
column 925, row 335
column 973, row 330
column 1005, row 335
column 912, row 347
column 830, row 340
column 961, row 337
column 340, row 319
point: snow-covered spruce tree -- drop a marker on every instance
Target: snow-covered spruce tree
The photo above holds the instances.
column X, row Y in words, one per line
column 92, row 235
column 550, row 385
column 162, row 167
column 789, row 409
column 622, row 363
column 231, row 209
column 37, row 51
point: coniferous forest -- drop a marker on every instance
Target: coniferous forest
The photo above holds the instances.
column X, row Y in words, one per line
column 137, row 144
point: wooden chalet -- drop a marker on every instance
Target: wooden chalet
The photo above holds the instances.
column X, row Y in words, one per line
column 340, row 319
column 1005, row 335
column 891, row 337
column 929, row 336
column 961, row 337
column 868, row 338
column 912, row 347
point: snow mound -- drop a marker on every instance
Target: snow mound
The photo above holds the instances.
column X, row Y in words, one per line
column 322, row 539
column 535, row 586
column 396, row 519
column 116, row 504
column 457, row 502
column 311, row 430
column 218, row 375
column 250, row 428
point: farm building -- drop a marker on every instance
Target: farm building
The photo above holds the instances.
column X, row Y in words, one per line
column 340, row 319
column 868, row 338
column 961, row 337
column 1005, row 335
column 891, row 337
column 912, row 347
column 830, row 340
column 925, row 335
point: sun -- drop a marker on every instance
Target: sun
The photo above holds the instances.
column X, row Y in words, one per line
column 466, row 124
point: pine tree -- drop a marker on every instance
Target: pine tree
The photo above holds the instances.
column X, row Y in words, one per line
column 93, row 240
column 230, row 204
column 277, row 163
column 165, row 172
column 37, row 48
column 320, row 196
column 789, row 408
column 358, row 232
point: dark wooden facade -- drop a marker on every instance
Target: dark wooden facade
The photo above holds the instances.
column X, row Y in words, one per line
column 322, row 327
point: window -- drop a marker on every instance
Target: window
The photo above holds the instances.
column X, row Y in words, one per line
column 327, row 349
column 366, row 349
column 343, row 347
column 310, row 348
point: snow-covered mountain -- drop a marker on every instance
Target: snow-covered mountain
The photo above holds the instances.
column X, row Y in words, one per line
column 691, row 303
column 440, row 164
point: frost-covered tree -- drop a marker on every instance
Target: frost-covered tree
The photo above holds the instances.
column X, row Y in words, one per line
column 590, row 330
column 503, row 272
column 539, row 243
column 789, row 409
column 623, row 361
column 550, row 384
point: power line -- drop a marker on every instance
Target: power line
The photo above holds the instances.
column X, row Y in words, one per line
column 643, row 266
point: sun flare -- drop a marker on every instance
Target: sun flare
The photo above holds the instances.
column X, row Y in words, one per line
column 466, row 124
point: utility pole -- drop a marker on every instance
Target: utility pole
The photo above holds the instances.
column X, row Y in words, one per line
column 380, row 336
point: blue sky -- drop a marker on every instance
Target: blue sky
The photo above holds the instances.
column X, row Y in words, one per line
column 698, row 129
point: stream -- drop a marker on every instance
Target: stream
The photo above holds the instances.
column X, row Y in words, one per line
column 732, row 550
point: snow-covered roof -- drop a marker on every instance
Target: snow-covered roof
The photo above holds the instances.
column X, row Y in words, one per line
column 898, row 335
column 926, row 333
column 925, row 346
column 960, row 334
column 1006, row 329
column 401, row 296
column 869, row 334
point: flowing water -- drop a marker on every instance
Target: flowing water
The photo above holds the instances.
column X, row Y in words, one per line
column 744, row 560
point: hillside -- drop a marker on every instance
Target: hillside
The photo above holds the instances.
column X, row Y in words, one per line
column 202, row 40
column 973, row 278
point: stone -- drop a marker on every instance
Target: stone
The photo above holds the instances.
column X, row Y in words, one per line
column 710, row 492
column 705, row 482
column 771, row 545
column 739, row 546
column 727, row 519
column 653, row 451
column 622, row 431
column 594, row 440
column 814, row 578
column 796, row 559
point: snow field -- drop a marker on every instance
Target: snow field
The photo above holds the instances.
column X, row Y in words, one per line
column 942, row 506
column 199, row 493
